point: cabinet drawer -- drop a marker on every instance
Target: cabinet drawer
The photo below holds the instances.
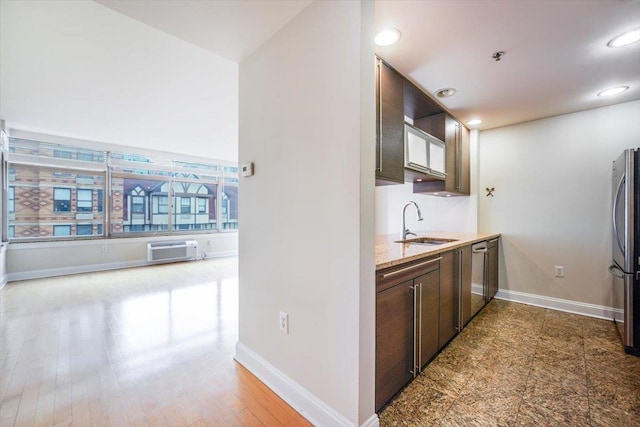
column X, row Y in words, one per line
column 393, row 276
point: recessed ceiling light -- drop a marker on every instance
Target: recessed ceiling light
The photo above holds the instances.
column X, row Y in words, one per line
column 387, row 37
column 613, row 91
column 474, row 122
column 625, row 39
column 446, row 92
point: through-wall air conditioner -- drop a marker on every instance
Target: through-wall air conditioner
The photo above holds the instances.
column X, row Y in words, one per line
column 170, row 251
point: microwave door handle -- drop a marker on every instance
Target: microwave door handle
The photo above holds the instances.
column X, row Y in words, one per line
column 613, row 213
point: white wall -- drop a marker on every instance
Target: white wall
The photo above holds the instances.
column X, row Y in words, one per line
column 47, row 259
column 306, row 244
column 79, row 69
column 439, row 213
column 552, row 180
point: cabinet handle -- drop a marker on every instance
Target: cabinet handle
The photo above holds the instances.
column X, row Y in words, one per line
column 419, row 330
column 379, row 165
column 402, row 270
column 493, row 240
column 480, row 250
column 460, row 261
column 415, row 304
column 459, row 155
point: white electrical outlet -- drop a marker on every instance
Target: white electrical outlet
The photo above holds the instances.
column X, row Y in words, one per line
column 559, row 270
column 284, row 322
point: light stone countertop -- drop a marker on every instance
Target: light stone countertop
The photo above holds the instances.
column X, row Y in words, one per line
column 389, row 253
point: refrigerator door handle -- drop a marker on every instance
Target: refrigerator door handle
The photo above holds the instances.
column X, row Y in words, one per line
column 616, row 271
column 614, row 210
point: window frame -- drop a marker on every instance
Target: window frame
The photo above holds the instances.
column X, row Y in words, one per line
column 69, row 158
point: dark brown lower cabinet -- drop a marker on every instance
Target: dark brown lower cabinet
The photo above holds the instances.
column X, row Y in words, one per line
column 394, row 340
column 427, row 287
column 420, row 306
column 448, row 321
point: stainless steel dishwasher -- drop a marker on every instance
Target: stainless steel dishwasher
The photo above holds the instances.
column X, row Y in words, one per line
column 478, row 276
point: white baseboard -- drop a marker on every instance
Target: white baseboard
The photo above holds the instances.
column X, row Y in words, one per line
column 591, row 310
column 219, row 254
column 63, row 271
column 374, row 421
column 91, row 268
column 309, row 406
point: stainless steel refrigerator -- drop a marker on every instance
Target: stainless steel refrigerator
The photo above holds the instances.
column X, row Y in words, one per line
column 626, row 246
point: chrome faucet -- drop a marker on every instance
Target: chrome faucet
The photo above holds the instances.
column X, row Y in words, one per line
column 405, row 230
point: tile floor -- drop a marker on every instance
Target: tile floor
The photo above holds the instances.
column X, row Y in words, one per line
column 518, row 365
column 150, row 346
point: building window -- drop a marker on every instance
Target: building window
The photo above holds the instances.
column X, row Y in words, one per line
column 12, row 232
column 163, row 204
column 62, row 230
column 85, row 200
column 11, row 200
column 63, row 154
column 99, row 229
column 84, row 229
column 62, row 200
column 100, row 200
column 203, row 204
column 185, row 205
column 137, row 204
column 87, row 157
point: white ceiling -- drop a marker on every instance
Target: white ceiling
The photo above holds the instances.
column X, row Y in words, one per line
column 556, row 59
column 556, row 56
column 232, row 29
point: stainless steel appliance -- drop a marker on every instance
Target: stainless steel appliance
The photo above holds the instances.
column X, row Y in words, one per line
column 626, row 247
column 478, row 277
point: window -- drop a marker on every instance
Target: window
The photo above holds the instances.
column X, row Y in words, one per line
column 100, row 200
column 11, row 200
column 87, row 157
column 62, row 230
column 84, row 229
column 203, row 205
column 85, row 200
column 137, row 204
column 62, row 200
column 61, row 190
column 162, row 203
column 62, row 154
column 185, row 205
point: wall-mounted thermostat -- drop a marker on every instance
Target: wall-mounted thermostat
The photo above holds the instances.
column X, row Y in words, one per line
column 247, row 169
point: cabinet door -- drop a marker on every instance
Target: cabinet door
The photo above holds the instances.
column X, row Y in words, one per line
column 390, row 125
column 428, row 287
column 492, row 268
column 464, row 161
column 394, row 340
column 448, row 299
column 464, row 283
column 457, row 138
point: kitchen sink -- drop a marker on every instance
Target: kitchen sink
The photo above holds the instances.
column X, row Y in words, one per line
column 427, row 241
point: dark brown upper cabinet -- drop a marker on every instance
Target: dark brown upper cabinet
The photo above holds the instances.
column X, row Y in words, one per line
column 398, row 99
column 390, row 125
column 457, row 139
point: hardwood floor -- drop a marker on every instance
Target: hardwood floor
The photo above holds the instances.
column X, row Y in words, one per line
column 150, row 346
